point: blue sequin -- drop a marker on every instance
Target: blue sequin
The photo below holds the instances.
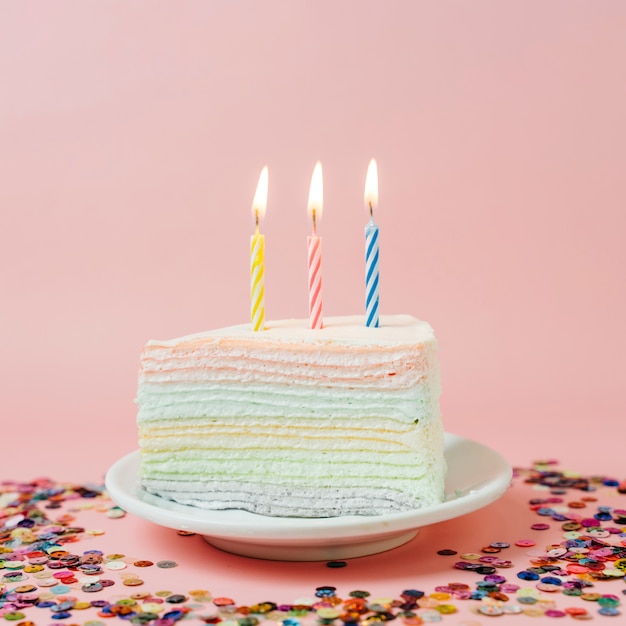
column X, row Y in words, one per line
column 608, row 610
column 545, row 511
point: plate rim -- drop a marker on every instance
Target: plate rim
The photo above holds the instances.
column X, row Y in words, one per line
column 242, row 525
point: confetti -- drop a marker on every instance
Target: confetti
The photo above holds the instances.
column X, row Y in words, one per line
column 577, row 571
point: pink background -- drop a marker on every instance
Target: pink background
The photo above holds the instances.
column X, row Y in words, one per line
column 131, row 139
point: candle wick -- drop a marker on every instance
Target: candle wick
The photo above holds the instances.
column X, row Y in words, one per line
column 256, row 219
column 371, row 210
column 313, row 214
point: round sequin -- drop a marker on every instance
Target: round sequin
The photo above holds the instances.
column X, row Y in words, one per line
column 490, row 609
column 609, row 611
column 527, row 600
column 176, row 599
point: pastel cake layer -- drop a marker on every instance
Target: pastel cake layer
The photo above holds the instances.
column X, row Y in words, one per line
column 290, row 421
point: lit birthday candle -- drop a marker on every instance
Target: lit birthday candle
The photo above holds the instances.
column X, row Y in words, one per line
column 314, row 246
column 371, row 248
column 257, row 256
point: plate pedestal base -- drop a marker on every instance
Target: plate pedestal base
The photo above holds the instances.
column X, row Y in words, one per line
column 319, row 552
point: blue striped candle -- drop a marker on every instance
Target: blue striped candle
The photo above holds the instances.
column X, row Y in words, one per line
column 371, row 249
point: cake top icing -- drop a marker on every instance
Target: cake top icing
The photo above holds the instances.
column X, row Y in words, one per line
column 348, row 329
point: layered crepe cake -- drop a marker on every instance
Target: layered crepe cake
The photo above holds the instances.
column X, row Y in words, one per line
column 290, row 421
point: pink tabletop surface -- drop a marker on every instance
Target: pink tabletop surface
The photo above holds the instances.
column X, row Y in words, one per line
column 131, row 140
column 417, row 565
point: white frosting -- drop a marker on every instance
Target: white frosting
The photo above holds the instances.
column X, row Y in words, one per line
column 351, row 330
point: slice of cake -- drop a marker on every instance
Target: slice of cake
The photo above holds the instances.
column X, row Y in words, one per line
column 295, row 422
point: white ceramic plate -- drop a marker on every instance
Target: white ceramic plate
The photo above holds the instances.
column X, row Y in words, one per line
column 476, row 477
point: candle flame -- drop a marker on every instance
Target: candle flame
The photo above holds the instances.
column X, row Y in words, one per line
column 259, row 204
column 371, row 186
column 316, row 193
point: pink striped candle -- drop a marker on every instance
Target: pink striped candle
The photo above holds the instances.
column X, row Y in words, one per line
column 314, row 246
column 257, row 256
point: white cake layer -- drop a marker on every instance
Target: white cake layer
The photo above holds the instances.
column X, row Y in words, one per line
column 303, row 502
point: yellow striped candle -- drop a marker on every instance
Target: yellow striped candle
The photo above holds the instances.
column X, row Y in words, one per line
column 257, row 256
column 371, row 248
column 314, row 248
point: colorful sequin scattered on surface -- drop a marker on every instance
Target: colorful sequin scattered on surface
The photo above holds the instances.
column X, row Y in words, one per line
column 46, row 578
